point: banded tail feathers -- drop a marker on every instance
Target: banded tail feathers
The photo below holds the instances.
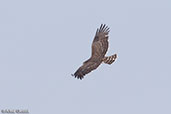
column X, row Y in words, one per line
column 109, row 59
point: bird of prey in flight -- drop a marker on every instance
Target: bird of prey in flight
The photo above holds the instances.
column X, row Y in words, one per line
column 99, row 48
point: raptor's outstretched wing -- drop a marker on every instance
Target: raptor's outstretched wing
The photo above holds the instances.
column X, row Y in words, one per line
column 85, row 69
column 100, row 42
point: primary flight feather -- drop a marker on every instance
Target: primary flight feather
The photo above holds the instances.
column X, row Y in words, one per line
column 99, row 48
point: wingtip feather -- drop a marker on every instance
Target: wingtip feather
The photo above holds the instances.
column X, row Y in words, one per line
column 103, row 28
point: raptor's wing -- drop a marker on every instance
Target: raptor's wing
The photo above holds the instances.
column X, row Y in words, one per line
column 85, row 69
column 100, row 42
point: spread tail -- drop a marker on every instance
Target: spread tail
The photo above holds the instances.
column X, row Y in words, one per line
column 109, row 59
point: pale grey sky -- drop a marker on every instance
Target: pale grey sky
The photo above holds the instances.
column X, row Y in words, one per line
column 43, row 42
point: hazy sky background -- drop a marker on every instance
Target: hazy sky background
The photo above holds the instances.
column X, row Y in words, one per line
column 43, row 42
